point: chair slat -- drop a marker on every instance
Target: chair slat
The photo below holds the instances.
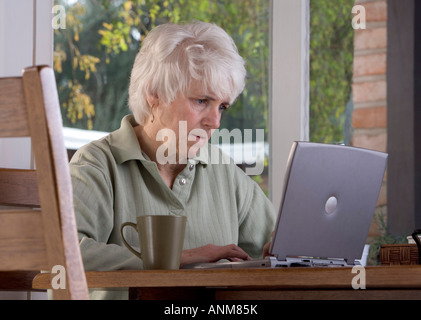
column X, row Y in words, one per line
column 19, row 188
column 13, row 119
column 22, row 244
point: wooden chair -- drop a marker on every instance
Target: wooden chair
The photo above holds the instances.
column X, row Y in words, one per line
column 38, row 227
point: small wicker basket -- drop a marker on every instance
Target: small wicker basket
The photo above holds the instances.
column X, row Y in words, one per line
column 398, row 254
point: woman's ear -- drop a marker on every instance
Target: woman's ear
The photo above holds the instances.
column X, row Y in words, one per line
column 153, row 100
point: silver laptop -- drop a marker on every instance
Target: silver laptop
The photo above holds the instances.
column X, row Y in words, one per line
column 329, row 198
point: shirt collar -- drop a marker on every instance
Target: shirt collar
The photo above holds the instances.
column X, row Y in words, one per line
column 125, row 146
column 123, row 142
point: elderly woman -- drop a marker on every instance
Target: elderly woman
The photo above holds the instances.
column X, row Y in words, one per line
column 159, row 161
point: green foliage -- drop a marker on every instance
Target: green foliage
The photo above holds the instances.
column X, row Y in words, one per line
column 384, row 237
column 331, row 58
column 94, row 55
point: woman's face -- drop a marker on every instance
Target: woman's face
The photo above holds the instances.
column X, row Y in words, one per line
column 190, row 120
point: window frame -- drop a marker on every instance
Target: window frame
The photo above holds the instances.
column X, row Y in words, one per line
column 17, row 32
column 289, row 95
column 289, row 23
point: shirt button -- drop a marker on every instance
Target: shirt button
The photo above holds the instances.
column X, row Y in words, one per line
column 182, row 182
column 191, row 167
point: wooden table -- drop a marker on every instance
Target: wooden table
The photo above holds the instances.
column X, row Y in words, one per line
column 382, row 282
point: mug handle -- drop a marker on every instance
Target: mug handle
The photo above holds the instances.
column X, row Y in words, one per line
column 129, row 224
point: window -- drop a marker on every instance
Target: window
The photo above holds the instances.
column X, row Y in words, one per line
column 94, row 54
column 331, row 58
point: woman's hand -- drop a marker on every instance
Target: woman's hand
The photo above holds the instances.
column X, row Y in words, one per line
column 213, row 253
column 266, row 250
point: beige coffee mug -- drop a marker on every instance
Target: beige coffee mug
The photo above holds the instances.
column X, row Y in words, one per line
column 161, row 240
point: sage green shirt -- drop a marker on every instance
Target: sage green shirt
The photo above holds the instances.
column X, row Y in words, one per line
column 113, row 182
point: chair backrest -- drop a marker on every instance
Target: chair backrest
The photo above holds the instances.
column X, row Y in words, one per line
column 37, row 222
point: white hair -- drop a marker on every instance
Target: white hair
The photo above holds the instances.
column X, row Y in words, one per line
column 173, row 56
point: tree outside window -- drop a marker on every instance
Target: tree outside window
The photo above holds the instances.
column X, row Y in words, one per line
column 94, row 55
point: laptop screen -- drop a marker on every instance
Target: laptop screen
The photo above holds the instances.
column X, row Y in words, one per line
column 329, row 198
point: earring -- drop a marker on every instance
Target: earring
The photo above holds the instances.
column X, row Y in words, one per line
column 153, row 116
